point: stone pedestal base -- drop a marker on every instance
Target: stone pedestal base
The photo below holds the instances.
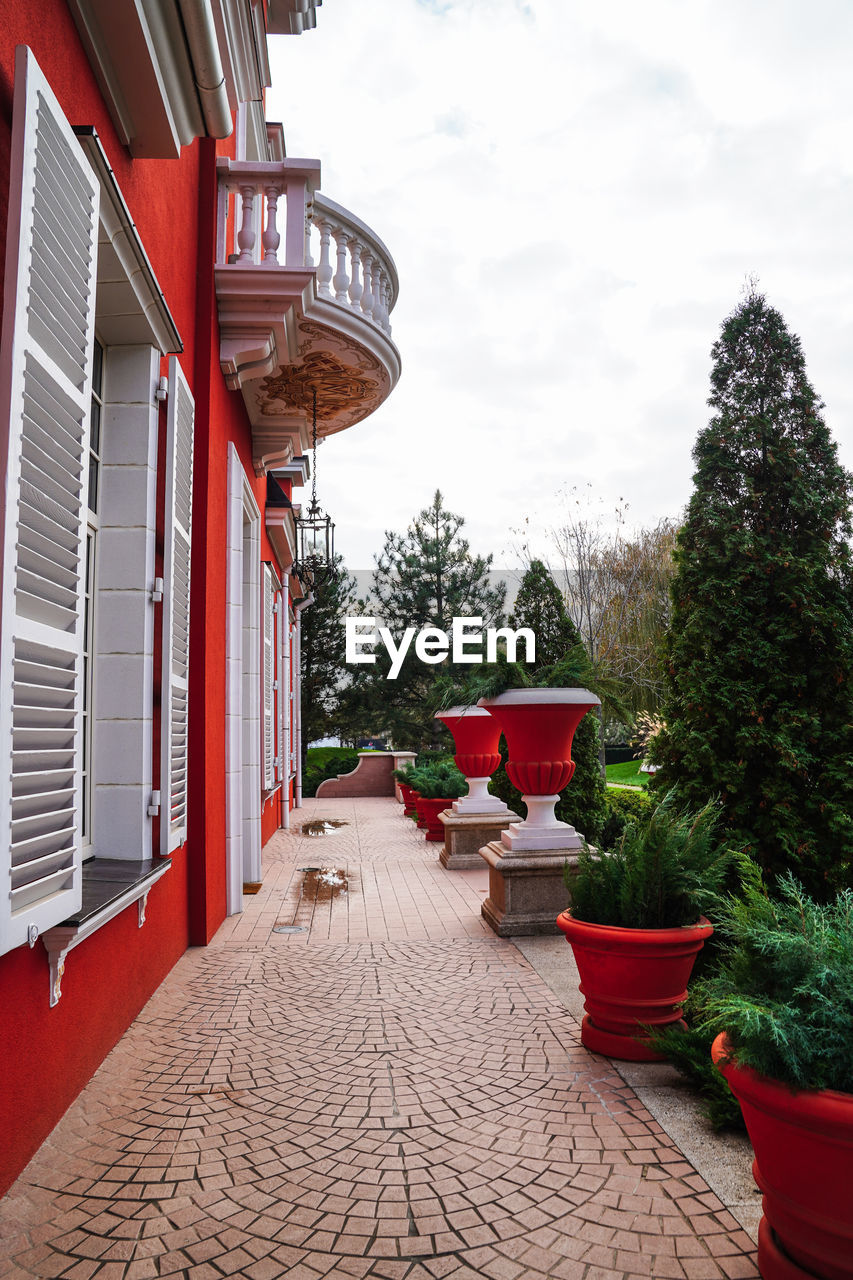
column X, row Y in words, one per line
column 465, row 835
column 526, row 890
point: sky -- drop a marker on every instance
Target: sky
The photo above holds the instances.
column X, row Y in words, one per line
column 574, row 195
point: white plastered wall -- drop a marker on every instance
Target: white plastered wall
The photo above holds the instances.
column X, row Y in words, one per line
column 243, row 690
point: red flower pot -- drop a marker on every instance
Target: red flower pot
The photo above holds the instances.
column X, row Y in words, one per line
column 408, row 795
column 476, row 736
column 539, row 725
column 630, row 978
column 418, row 799
column 429, row 811
column 803, row 1143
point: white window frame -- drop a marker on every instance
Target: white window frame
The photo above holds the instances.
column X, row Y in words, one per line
column 243, row 687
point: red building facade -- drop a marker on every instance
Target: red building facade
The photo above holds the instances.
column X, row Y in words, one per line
column 178, row 293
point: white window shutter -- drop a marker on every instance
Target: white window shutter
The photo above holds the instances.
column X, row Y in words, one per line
column 278, row 656
column 45, row 393
column 268, row 678
column 177, row 545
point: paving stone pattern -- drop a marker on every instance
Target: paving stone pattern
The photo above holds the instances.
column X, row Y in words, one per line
column 393, row 1092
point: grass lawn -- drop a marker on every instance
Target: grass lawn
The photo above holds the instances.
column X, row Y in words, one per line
column 627, row 773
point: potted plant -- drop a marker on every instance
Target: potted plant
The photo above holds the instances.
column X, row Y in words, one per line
column 438, row 785
column 636, row 924
column 782, row 1004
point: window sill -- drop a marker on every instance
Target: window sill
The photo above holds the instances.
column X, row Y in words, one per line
column 109, row 886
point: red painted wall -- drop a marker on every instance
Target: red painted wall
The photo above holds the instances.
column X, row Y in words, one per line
column 47, row 1055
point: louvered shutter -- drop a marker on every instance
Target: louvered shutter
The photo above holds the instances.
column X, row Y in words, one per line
column 278, row 654
column 177, row 544
column 268, row 678
column 45, row 394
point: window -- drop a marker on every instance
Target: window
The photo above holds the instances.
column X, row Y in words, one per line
column 79, row 527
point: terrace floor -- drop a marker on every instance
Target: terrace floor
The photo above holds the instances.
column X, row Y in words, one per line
column 382, row 1089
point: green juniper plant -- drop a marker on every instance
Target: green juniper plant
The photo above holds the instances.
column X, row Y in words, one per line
column 784, row 991
column 664, row 872
column 441, row 781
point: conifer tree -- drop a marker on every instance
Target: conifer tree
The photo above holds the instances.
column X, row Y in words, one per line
column 760, row 647
column 322, row 654
column 424, row 578
column 540, row 606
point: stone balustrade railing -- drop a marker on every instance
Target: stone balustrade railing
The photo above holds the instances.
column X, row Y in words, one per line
column 258, row 200
column 358, row 272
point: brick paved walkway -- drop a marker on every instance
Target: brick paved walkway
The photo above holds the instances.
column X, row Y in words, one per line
column 390, row 1092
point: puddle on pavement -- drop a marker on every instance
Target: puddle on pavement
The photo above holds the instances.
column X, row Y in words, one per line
column 321, row 826
column 279, row 927
column 323, row 884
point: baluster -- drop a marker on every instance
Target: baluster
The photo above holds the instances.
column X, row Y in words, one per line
column 324, row 270
column 367, row 296
column 246, row 234
column 341, row 280
column 271, row 238
column 377, row 284
column 309, row 222
column 356, row 288
column 386, row 310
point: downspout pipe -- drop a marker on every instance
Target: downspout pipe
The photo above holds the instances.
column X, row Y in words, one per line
column 209, row 76
column 303, row 604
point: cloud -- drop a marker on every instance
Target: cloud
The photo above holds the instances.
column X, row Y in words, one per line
column 573, row 195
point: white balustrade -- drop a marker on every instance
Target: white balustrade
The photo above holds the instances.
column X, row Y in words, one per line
column 364, row 278
column 354, row 269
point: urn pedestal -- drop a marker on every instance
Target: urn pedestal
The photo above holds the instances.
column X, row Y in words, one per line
column 526, row 866
column 475, row 819
column 466, row 833
column 523, row 888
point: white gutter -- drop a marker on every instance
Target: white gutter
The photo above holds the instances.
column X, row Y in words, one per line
column 209, row 76
column 303, row 604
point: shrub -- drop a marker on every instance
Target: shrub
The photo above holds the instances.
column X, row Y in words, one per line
column 439, row 782
column 784, row 991
column 313, row 776
column 620, row 805
column 663, row 873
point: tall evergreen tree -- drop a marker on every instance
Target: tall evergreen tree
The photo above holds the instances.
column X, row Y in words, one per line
column 322, row 654
column 540, row 606
column 760, row 647
column 427, row 575
column 424, row 578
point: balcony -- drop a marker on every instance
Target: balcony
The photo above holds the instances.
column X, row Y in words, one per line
column 305, row 291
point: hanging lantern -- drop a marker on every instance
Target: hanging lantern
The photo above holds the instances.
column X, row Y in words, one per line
column 315, row 532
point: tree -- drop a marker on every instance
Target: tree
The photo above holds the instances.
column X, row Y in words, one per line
column 427, row 575
column 617, row 594
column 322, row 666
column 540, row 606
column 424, row 578
column 760, row 647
